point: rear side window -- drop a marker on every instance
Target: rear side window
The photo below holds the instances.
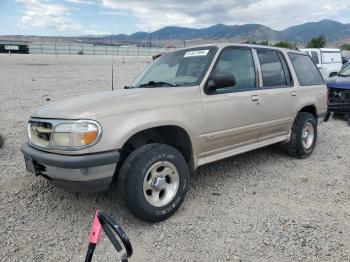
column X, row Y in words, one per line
column 314, row 57
column 271, row 68
column 305, row 70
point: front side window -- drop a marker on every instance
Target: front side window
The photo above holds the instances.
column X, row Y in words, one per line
column 271, row 68
column 305, row 70
column 180, row 68
column 239, row 63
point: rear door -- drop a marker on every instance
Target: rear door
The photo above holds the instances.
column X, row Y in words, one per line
column 277, row 96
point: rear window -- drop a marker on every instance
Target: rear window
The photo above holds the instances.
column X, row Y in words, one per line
column 305, row 70
column 331, row 57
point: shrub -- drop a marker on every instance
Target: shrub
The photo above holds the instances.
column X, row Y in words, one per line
column 317, row 42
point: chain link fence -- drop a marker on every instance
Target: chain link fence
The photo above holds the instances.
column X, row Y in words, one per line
column 91, row 49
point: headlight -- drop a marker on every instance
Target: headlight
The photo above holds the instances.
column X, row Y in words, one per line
column 76, row 134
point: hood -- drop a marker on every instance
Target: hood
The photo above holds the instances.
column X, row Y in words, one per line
column 339, row 82
column 103, row 104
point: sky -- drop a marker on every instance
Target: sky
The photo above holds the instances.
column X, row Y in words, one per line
column 100, row 17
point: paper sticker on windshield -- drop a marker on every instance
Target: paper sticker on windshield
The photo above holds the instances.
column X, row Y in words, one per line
column 196, row 53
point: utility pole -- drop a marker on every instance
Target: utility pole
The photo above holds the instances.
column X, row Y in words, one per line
column 111, row 44
column 150, row 39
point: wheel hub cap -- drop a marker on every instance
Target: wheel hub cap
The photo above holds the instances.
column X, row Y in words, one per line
column 161, row 183
column 308, row 135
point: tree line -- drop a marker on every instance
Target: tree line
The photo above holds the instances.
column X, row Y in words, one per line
column 316, row 42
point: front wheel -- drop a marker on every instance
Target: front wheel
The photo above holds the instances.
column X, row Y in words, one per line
column 156, row 181
column 304, row 135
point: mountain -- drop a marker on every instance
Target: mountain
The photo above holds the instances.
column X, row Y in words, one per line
column 335, row 32
column 332, row 30
column 219, row 31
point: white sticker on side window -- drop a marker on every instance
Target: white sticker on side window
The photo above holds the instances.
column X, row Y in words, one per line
column 196, row 53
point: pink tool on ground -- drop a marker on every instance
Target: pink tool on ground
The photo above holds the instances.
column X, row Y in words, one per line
column 95, row 230
column 104, row 221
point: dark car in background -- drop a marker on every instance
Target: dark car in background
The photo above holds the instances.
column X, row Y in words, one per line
column 339, row 91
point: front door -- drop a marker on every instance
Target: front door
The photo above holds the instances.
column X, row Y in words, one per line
column 232, row 115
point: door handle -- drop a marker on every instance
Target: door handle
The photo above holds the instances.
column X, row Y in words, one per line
column 255, row 98
column 293, row 93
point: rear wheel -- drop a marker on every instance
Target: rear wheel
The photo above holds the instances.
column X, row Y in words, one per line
column 156, row 180
column 304, row 135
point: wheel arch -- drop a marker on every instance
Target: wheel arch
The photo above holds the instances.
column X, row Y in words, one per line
column 172, row 135
column 310, row 108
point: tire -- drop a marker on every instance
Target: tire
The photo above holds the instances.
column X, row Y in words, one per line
column 299, row 146
column 143, row 189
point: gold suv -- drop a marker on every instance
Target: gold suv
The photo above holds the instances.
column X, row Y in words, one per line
column 188, row 108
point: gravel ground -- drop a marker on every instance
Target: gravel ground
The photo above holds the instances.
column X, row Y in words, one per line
column 259, row 206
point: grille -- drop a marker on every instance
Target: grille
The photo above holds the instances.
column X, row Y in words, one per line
column 337, row 95
column 40, row 133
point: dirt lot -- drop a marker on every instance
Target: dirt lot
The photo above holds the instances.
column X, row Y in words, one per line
column 259, row 206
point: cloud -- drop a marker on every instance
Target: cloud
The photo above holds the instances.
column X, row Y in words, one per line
column 112, row 13
column 85, row 2
column 277, row 14
column 45, row 14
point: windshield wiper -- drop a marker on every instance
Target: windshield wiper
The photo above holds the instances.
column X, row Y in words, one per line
column 157, row 83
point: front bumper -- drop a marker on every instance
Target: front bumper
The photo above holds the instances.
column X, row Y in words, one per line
column 340, row 108
column 79, row 173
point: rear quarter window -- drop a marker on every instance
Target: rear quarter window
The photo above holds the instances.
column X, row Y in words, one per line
column 305, row 70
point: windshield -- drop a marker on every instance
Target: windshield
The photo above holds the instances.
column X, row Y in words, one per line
column 345, row 71
column 183, row 67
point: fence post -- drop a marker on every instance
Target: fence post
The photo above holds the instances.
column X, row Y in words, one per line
column 41, row 48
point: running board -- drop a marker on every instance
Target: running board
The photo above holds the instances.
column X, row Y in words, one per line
column 240, row 150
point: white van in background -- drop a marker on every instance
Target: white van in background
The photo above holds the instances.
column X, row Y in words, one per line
column 328, row 60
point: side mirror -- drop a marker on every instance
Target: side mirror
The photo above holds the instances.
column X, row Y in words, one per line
column 333, row 74
column 221, row 80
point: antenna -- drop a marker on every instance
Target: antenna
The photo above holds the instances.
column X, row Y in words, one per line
column 112, row 74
